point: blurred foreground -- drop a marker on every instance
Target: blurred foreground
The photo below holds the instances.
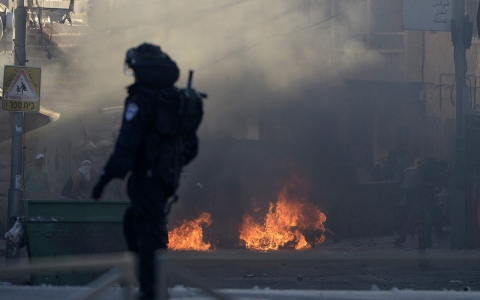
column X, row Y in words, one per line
column 371, row 266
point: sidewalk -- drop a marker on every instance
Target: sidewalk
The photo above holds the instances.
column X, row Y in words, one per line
column 60, row 293
column 16, row 279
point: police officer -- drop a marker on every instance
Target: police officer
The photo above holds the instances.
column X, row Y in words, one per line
column 144, row 221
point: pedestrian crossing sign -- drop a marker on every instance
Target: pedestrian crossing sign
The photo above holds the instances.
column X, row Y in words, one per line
column 21, row 89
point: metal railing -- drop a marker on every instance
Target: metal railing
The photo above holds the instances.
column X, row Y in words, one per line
column 165, row 268
column 122, row 270
column 123, row 265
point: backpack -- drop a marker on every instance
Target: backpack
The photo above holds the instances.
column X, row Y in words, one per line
column 171, row 141
column 180, row 114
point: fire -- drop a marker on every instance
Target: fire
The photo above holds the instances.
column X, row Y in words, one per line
column 189, row 234
column 286, row 223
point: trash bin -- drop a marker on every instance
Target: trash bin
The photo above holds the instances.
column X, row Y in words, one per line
column 72, row 227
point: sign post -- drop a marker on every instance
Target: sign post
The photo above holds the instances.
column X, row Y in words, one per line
column 16, row 169
column 449, row 15
column 461, row 38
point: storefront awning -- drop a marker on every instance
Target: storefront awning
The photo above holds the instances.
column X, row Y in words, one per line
column 42, row 118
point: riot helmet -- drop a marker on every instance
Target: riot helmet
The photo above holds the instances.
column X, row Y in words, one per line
column 151, row 66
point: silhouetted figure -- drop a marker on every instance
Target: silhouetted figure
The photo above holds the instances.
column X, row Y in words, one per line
column 423, row 207
column 157, row 138
column 409, row 191
column 391, row 166
column 417, row 157
column 442, row 191
column 379, row 171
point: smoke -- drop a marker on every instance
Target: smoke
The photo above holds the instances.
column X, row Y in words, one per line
column 247, row 55
column 253, row 58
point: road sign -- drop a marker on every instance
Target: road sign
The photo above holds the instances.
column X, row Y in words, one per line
column 21, row 89
column 427, row 15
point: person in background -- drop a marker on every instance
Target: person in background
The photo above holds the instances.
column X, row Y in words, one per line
column 417, row 157
column 390, row 169
column 363, row 174
column 443, row 192
column 379, row 170
column 407, row 203
column 427, row 181
column 75, row 186
column 36, row 177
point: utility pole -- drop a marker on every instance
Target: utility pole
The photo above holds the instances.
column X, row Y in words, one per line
column 460, row 40
column 16, row 175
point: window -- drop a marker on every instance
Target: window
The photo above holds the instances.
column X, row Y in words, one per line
column 386, row 25
column 375, row 23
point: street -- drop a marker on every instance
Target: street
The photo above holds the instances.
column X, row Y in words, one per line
column 351, row 264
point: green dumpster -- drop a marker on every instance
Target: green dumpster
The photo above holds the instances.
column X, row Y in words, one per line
column 72, row 227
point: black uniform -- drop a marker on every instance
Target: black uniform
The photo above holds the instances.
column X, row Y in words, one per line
column 156, row 140
column 148, row 188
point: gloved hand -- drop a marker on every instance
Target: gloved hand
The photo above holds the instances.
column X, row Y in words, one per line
column 97, row 191
column 98, row 188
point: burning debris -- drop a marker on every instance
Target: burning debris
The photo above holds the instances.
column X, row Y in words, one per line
column 189, row 234
column 292, row 222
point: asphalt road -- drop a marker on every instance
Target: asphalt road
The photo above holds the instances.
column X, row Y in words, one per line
column 354, row 264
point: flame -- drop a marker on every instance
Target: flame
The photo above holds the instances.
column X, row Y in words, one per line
column 189, row 234
column 284, row 223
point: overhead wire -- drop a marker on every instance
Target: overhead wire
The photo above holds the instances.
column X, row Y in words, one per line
column 245, row 48
column 327, row 19
column 186, row 16
column 39, row 16
column 373, row 18
column 223, row 6
column 272, row 19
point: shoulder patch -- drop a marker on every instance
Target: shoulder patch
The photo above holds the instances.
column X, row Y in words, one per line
column 130, row 111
